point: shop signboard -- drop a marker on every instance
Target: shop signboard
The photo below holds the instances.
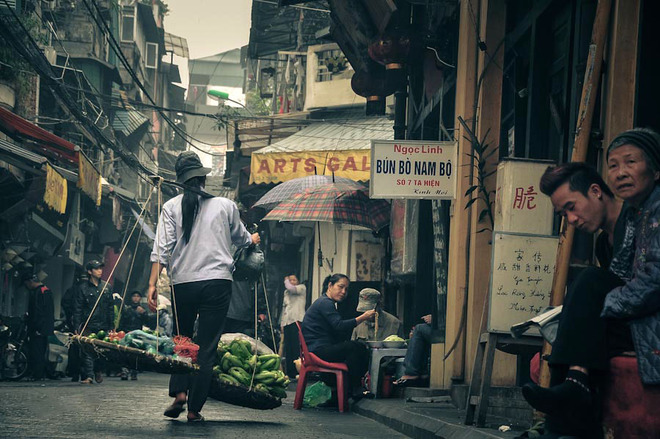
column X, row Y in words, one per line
column 278, row 167
column 521, row 278
column 55, row 195
column 413, row 169
column 89, row 179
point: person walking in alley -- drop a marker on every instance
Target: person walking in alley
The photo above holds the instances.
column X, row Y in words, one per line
column 67, row 307
column 40, row 322
column 85, row 299
column 293, row 310
column 193, row 239
column 240, row 315
column 133, row 317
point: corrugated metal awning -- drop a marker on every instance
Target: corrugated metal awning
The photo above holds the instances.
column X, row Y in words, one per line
column 176, row 44
column 339, row 145
column 128, row 122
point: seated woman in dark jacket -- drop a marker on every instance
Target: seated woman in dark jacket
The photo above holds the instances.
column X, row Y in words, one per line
column 327, row 334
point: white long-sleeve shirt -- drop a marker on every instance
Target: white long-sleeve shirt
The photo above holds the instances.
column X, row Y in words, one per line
column 208, row 254
column 293, row 305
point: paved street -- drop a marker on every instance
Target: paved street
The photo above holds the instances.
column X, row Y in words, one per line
column 129, row 409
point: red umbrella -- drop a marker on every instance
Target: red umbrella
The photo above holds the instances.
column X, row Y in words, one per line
column 335, row 203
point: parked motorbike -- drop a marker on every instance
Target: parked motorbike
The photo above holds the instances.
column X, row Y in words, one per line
column 58, row 352
column 13, row 359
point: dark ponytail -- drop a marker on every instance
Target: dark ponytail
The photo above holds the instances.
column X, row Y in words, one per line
column 332, row 279
column 190, row 205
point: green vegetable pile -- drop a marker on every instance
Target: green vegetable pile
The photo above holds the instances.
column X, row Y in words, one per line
column 236, row 364
column 147, row 341
column 394, row 338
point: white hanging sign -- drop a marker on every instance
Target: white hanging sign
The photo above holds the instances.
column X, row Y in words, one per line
column 413, row 169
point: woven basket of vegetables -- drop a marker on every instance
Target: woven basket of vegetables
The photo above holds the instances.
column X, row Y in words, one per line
column 134, row 358
column 247, row 379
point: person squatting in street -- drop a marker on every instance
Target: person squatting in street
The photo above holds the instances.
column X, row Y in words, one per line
column 610, row 312
column 40, row 322
column 194, row 237
column 85, row 299
column 327, row 334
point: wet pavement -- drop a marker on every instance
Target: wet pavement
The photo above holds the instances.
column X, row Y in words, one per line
column 131, row 409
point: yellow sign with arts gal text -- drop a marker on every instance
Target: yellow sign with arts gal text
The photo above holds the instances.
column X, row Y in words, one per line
column 55, row 194
column 278, row 167
column 89, row 179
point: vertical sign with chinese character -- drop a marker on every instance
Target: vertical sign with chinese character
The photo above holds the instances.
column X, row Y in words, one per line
column 89, row 179
column 55, row 194
column 521, row 278
column 520, row 207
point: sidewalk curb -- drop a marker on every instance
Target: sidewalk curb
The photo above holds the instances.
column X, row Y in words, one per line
column 416, row 425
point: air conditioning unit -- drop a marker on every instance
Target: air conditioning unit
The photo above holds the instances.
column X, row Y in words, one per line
column 51, row 54
column 15, row 5
column 50, row 5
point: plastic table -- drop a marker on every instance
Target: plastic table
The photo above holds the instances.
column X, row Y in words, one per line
column 377, row 355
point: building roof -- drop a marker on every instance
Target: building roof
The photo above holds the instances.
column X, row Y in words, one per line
column 342, row 131
column 222, row 69
column 176, row 44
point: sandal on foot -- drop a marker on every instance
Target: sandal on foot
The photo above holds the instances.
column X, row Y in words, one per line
column 198, row 418
column 174, row 410
column 408, row 382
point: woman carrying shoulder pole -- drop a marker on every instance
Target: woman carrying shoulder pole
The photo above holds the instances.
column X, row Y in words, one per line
column 194, row 237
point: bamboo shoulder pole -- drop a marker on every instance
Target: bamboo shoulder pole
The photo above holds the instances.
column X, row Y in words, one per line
column 580, row 146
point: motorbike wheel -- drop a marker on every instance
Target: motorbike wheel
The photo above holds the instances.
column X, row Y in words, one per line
column 14, row 364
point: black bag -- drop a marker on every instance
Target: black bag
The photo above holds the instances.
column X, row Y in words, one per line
column 248, row 263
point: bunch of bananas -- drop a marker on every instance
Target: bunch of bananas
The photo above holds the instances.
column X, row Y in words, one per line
column 236, row 364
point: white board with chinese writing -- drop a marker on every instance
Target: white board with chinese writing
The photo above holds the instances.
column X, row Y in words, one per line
column 521, row 278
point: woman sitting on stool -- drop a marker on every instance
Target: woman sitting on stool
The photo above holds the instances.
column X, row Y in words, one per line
column 327, row 334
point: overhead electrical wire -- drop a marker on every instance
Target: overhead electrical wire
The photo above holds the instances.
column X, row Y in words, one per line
column 117, row 49
column 32, row 53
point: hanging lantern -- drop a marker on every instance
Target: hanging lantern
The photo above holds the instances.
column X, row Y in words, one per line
column 374, row 86
column 391, row 49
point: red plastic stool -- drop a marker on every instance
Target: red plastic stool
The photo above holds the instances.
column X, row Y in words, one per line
column 312, row 363
column 630, row 409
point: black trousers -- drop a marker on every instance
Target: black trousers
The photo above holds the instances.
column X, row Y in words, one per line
column 353, row 353
column 73, row 365
column 291, row 349
column 241, row 326
column 587, row 340
column 208, row 302
column 37, row 352
column 584, row 338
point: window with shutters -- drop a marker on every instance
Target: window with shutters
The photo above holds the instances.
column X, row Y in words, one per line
column 151, row 60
